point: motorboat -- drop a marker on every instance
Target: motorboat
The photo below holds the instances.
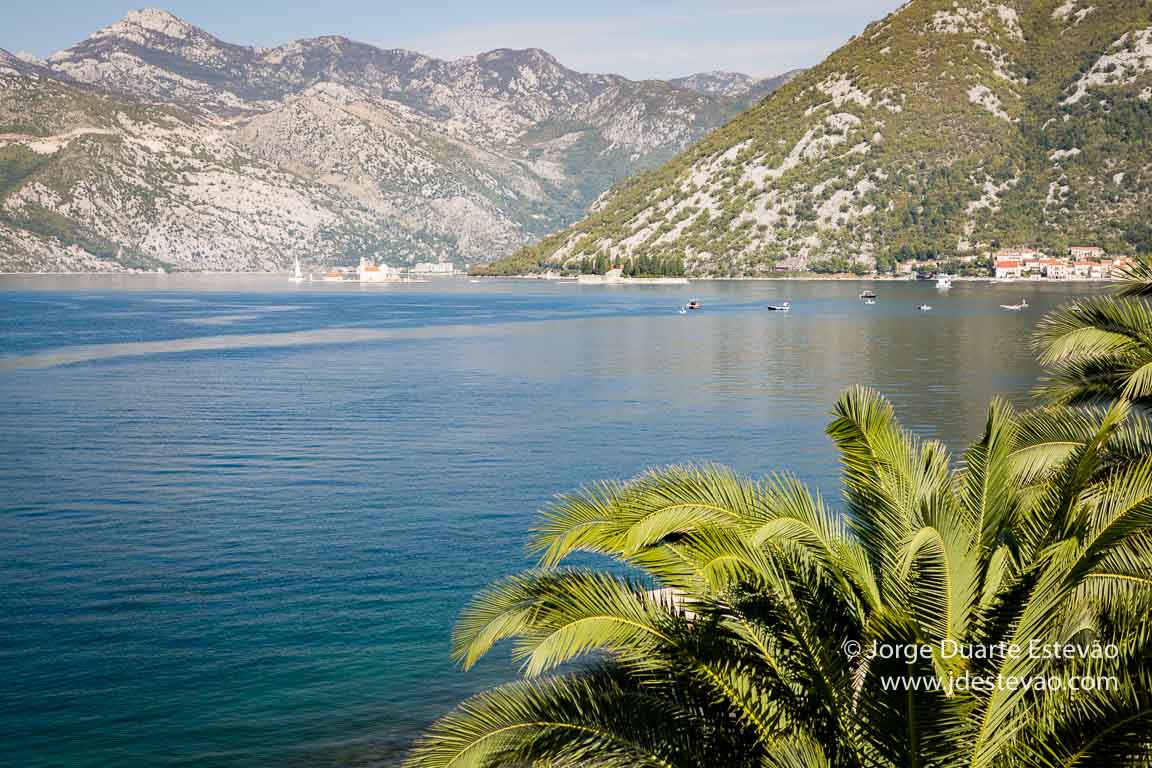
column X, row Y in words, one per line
column 943, row 281
column 1016, row 307
column 693, row 304
column 783, row 306
column 924, row 307
column 867, row 294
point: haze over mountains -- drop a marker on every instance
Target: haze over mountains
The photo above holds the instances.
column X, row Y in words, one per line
column 153, row 143
column 946, row 128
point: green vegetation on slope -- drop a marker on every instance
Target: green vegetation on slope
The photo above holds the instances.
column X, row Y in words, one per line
column 945, row 128
column 17, row 163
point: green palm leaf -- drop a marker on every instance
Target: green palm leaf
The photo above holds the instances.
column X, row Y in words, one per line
column 724, row 643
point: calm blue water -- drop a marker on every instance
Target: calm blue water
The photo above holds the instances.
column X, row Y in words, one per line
column 238, row 517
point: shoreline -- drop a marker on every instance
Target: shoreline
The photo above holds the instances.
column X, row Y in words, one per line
column 804, row 278
column 576, row 280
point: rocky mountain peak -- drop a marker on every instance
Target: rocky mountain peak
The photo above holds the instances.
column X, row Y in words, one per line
column 734, row 85
column 148, row 35
column 535, row 57
column 716, row 81
column 150, row 28
column 154, row 20
column 331, row 42
column 520, row 69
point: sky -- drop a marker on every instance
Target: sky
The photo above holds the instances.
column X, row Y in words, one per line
column 635, row 39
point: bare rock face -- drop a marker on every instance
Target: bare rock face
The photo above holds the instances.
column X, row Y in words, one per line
column 153, row 143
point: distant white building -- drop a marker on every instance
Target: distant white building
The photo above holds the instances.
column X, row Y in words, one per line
column 1086, row 253
column 1018, row 254
column 1083, row 269
column 377, row 273
column 1056, row 269
column 434, row 268
column 1008, row 269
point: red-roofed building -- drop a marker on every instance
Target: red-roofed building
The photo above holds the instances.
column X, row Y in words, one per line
column 1008, row 269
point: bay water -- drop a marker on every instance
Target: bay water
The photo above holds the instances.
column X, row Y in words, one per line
column 238, row 517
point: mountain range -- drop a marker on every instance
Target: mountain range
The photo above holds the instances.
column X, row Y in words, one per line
column 946, row 129
column 152, row 143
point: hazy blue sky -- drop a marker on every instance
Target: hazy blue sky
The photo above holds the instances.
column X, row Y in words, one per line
column 760, row 37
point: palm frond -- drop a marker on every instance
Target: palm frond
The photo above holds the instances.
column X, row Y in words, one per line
column 593, row 718
column 1137, row 278
column 620, row 519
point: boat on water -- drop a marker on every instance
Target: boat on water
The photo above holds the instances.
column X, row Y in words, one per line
column 1016, row 307
column 783, row 306
column 867, row 295
column 297, row 275
column 693, row 304
column 943, row 281
column 924, row 307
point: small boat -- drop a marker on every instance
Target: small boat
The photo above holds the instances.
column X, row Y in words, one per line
column 924, row 307
column 692, row 305
column 1016, row 307
column 867, row 294
column 869, row 301
column 943, row 281
column 297, row 275
column 783, row 306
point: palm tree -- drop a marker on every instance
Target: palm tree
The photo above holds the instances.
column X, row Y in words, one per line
column 1099, row 349
column 735, row 623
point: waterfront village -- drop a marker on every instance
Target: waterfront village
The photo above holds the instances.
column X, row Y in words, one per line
column 1016, row 263
column 1081, row 263
column 370, row 271
column 1087, row 262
